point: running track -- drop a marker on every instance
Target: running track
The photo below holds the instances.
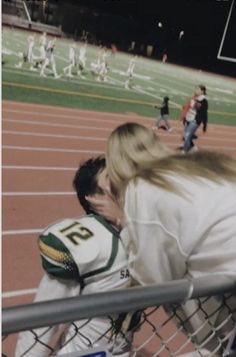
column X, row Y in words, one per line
column 41, row 148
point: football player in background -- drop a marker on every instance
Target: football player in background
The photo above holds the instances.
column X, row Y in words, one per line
column 28, row 56
column 130, row 71
column 50, row 59
column 43, row 46
column 72, row 60
column 82, row 59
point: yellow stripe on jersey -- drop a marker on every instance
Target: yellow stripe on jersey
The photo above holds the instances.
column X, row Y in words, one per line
column 54, row 254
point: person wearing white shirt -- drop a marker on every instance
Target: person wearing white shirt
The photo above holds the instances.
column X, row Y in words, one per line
column 82, row 58
column 43, row 45
column 28, row 56
column 50, row 59
column 72, row 61
column 179, row 216
column 130, row 71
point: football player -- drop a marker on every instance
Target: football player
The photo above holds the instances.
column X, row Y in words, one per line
column 82, row 255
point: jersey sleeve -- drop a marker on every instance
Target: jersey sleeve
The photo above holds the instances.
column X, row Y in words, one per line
column 56, row 258
column 49, row 289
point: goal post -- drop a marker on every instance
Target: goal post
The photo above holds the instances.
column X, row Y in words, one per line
column 229, row 20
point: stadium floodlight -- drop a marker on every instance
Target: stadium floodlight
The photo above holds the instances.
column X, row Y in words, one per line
column 159, row 24
column 223, row 38
column 181, row 34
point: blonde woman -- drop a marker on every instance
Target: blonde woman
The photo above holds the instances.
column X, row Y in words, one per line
column 182, row 205
column 180, row 210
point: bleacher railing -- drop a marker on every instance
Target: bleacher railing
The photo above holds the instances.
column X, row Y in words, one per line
column 173, row 319
column 17, row 13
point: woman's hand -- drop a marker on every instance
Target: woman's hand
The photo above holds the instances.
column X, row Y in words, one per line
column 106, row 206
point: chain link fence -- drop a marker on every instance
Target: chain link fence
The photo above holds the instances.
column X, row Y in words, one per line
column 179, row 319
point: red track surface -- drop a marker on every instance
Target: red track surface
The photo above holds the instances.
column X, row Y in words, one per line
column 32, row 158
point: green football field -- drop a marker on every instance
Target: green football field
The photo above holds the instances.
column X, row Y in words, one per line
column 152, row 80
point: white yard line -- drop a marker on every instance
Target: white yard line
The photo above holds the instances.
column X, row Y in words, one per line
column 15, row 194
column 7, row 51
column 218, row 148
column 16, row 293
column 40, row 168
column 86, row 138
column 202, row 139
column 99, row 119
column 139, row 90
column 215, row 127
column 76, row 111
column 221, row 90
column 43, row 123
column 44, row 135
column 86, row 82
column 21, row 231
column 48, row 149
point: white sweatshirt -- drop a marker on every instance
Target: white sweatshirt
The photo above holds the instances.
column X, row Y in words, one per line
column 172, row 236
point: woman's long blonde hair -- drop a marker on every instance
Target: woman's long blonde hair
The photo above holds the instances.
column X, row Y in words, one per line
column 134, row 151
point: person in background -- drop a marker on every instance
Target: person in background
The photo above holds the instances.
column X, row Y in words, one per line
column 42, row 48
column 182, row 118
column 113, row 49
column 196, row 115
column 28, row 56
column 50, row 59
column 82, row 59
column 164, row 114
column 82, row 255
column 164, row 57
column 130, row 71
column 102, row 72
column 72, row 60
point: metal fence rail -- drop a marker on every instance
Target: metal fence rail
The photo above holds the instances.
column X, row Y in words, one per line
column 17, row 13
column 196, row 315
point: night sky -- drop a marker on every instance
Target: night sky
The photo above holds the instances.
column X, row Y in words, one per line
column 202, row 23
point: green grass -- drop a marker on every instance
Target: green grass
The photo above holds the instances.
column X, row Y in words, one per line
column 153, row 80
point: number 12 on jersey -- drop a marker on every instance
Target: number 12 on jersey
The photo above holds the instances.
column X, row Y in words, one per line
column 76, row 232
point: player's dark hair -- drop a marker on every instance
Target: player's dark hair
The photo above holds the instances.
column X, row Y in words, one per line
column 203, row 88
column 85, row 180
